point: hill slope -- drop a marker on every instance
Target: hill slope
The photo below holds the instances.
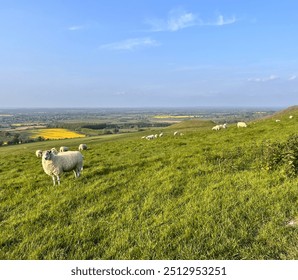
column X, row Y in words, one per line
column 204, row 195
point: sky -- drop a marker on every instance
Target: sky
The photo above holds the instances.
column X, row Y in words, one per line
column 148, row 53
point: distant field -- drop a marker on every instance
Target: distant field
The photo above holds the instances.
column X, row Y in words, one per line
column 55, row 133
column 172, row 117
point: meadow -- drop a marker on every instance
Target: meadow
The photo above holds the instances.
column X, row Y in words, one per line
column 225, row 194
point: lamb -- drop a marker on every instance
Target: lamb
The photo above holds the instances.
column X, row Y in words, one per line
column 55, row 164
column 38, row 153
column 241, row 124
column 82, row 147
column 63, row 149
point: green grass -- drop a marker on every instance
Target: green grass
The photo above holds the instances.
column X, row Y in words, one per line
column 203, row 195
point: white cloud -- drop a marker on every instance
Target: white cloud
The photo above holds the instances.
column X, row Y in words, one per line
column 223, row 21
column 266, row 79
column 131, row 44
column 178, row 19
column 75, row 27
column 293, row 77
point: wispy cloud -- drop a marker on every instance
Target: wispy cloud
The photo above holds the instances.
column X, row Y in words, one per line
column 293, row 77
column 76, row 27
column 131, row 44
column 178, row 19
column 266, row 79
column 221, row 20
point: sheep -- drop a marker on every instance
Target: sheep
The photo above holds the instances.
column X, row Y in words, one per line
column 290, row 117
column 241, row 124
column 63, row 149
column 38, row 153
column 55, row 164
column 150, row 137
column 161, row 134
column 54, row 150
column 82, row 147
column 217, row 127
column 277, row 120
column 175, row 133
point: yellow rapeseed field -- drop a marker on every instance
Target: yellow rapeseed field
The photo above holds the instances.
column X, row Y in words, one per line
column 55, row 133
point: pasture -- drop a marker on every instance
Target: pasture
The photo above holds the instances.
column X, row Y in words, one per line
column 204, row 195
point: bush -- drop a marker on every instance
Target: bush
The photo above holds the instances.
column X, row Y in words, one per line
column 282, row 156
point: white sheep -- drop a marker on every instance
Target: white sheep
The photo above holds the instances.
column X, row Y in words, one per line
column 217, row 127
column 175, row 133
column 38, row 153
column 82, row 147
column 55, row 164
column 150, row 137
column 161, row 134
column 54, row 150
column 63, row 149
column 290, row 117
column 277, row 120
column 241, row 124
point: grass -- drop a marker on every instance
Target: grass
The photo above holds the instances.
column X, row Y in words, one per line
column 203, row 195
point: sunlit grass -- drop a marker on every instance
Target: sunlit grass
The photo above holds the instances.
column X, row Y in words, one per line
column 203, row 195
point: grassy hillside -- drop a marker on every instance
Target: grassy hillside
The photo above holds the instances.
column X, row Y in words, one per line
column 204, row 195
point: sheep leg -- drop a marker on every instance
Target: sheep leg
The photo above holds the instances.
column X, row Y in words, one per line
column 58, row 180
column 54, row 181
column 77, row 173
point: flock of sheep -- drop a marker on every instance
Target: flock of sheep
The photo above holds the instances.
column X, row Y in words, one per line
column 54, row 163
column 224, row 126
column 153, row 136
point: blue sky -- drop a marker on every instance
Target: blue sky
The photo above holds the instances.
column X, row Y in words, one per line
column 144, row 53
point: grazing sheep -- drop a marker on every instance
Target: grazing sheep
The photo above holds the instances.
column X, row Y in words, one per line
column 63, row 149
column 55, row 164
column 150, row 137
column 175, row 133
column 241, row 124
column 290, row 117
column 277, row 120
column 38, row 153
column 82, row 147
column 161, row 134
column 217, row 127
